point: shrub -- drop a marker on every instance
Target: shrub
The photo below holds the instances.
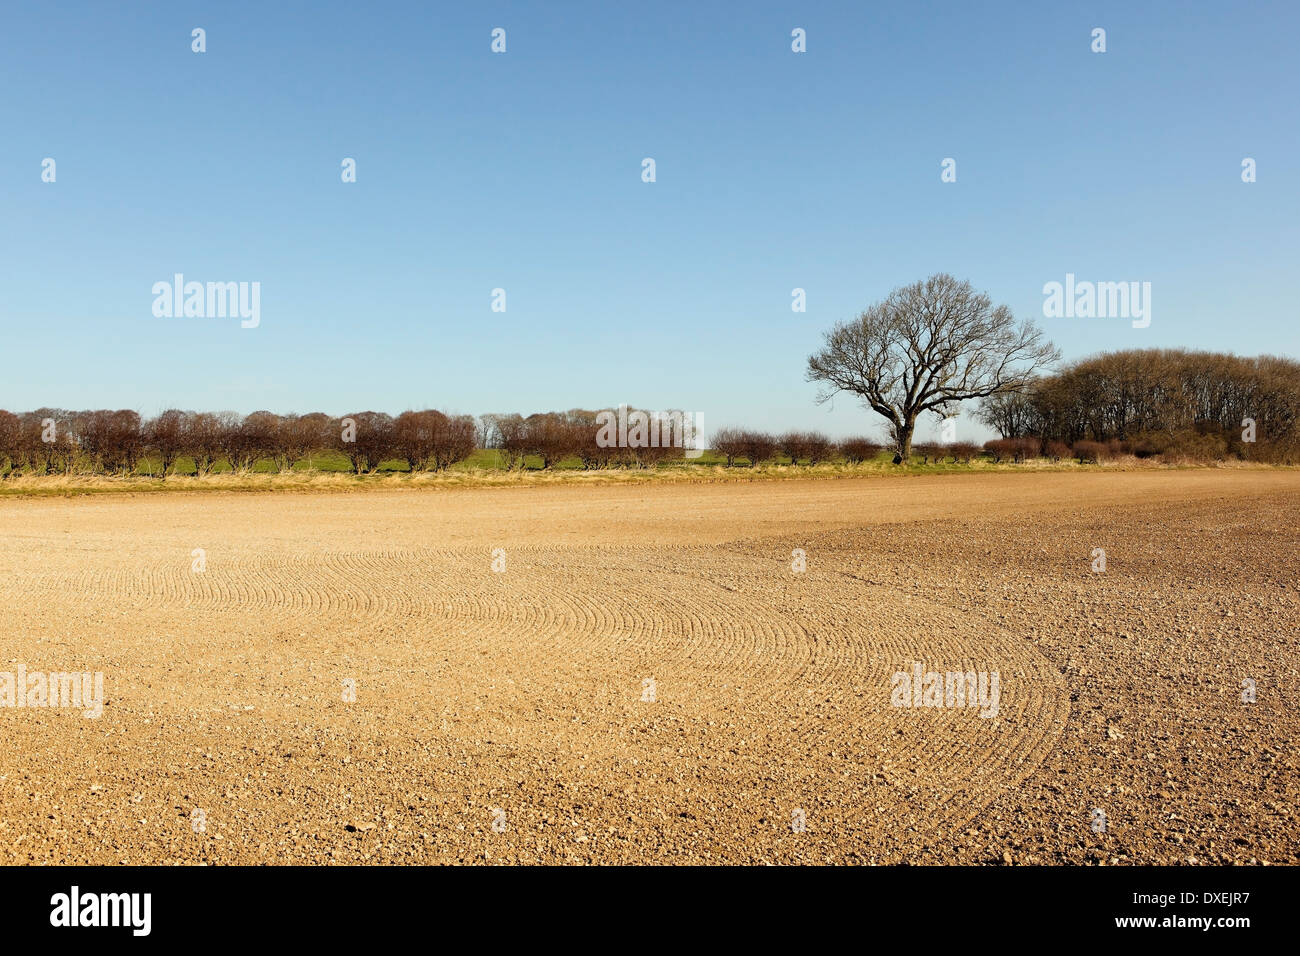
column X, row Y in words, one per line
column 511, row 436
column 858, row 450
column 166, row 435
column 260, row 433
column 963, row 451
column 813, row 446
column 1028, row 447
column 233, row 441
column 818, row 447
column 1016, row 449
column 113, row 441
column 413, row 437
column 454, row 438
column 928, row 450
column 587, row 437
column 372, row 441
column 203, row 438
column 548, row 436
column 652, row 455
column 1089, row 451
column 758, row 447
column 1285, row 451
column 11, row 442
column 1001, row 448
column 793, row 445
column 730, row 443
column 1197, row 445
column 1056, row 450
column 300, row 435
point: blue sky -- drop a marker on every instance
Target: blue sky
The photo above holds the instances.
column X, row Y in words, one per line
column 522, row 171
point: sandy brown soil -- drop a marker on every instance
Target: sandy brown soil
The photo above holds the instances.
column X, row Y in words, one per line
column 522, row 691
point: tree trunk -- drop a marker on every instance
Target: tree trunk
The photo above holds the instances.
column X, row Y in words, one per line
column 905, row 431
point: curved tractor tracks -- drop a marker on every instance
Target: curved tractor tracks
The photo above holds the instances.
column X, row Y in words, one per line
column 738, row 688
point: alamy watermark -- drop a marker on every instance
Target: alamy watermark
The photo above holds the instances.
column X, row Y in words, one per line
column 1098, row 300
column 638, row 429
column 211, row 300
column 75, row 908
column 923, row 688
column 82, row 691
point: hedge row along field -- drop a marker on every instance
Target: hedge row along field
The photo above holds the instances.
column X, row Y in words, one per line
column 120, row 443
column 1152, row 403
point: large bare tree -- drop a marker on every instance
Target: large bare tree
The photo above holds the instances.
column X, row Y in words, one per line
column 925, row 348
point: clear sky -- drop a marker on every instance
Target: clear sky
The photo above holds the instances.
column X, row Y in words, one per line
column 523, row 171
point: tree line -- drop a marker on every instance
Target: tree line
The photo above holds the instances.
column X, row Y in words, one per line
column 1144, row 403
column 554, row 437
column 1147, row 402
column 58, row 441
column 50, row 441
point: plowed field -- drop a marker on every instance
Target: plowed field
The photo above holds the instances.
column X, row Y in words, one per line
column 641, row 674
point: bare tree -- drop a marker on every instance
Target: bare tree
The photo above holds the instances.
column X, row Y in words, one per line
column 931, row 449
column 300, row 435
column 93, row 435
column 794, row 446
column 126, row 440
column 433, row 439
column 230, row 426
column 485, row 428
column 454, row 439
column 814, row 446
column 549, row 437
column 584, row 436
column 1010, row 412
column 166, row 434
column 11, row 442
column 511, row 437
column 204, row 434
column 818, row 447
column 371, row 445
column 758, row 447
column 111, row 440
column 963, row 451
column 730, row 443
column 414, row 437
column 259, row 433
column 926, row 347
column 46, row 440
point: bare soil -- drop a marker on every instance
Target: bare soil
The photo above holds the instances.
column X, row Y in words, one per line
column 649, row 680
